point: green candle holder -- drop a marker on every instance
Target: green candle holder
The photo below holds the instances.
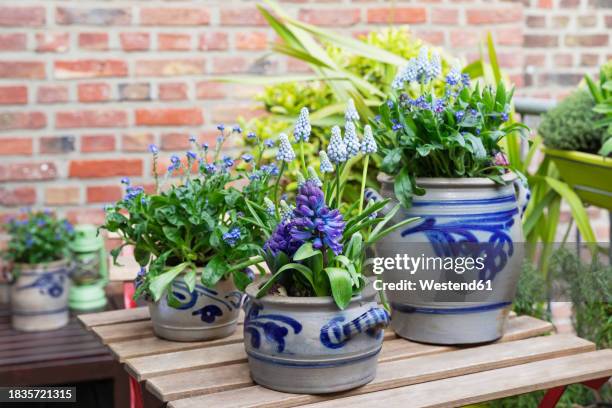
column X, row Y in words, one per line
column 90, row 271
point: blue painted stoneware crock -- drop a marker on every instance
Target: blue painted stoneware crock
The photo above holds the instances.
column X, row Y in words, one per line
column 203, row 314
column 308, row 345
column 39, row 296
column 475, row 211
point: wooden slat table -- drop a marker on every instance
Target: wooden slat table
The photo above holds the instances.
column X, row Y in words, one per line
column 215, row 374
column 64, row 356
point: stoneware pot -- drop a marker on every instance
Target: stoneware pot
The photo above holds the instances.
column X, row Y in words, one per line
column 39, row 296
column 474, row 211
column 204, row 314
column 5, row 288
column 307, row 345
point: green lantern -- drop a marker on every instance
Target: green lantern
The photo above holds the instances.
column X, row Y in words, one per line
column 90, row 272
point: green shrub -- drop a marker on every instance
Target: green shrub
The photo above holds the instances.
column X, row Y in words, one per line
column 571, row 124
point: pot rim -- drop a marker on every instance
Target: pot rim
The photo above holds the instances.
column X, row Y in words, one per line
column 253, row 288
column 452, row 182
column 47, row 265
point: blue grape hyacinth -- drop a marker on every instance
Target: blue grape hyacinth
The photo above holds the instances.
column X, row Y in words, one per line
column 302, row 126
column 326, row 164
column 337, row 149
column 350, row 139
column 351, row 114
column 285, row 151
column 368, row 144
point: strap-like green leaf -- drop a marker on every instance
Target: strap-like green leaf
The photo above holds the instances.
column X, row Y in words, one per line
column 161, row 282
column 341, row 285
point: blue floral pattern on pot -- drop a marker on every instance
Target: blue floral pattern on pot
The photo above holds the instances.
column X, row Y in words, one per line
column 274, row 327
column 49, row 283
column 208, row 313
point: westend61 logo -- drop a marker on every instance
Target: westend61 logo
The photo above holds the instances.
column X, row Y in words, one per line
column 446, row 266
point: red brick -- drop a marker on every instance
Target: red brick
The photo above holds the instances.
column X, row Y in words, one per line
column 17, row 196
column 103, row 194
column 86, row 216
column 465, row 38
column 545, row 3
column 536, row 21
column 22, row 120
column 175, row 141
column 495, row 15
column 22, row 69
column 13, row 42
column 587, row 40
column 52, row 42
column 93, row 41
column 589, row 20
column 97, row 143
column 174, row 16
column 589, row 60
column 169, row 117
column 91, row 118
column 171, row 67
column 27, row 171
column 135, row 41
column 563, row 60
column 541, row 40
column 537, row 60
column 94, row 92
column 93, row 16
column 434, row 37
column 213, row 41
column 560, row 21
column 254, row 40
column 333, row 18
column 397, row 15
column 22, row 16
column 134, row 91
column 569, row 3
column 173, row 91
column 240, row 16
column 229, row 65
column 62, row 195
column 173, row 42
column 210, row 90
column 136, row 142
column 294, row 65
column 56, row 144
column 13, row 95
column 509, row 36
column 15, row 146
column 89, row 68
column 228, row 112
column 445, row 16
column 105, row 168
column 52, row 94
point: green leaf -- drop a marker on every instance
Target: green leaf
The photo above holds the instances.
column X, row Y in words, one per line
column 296, row 266
column 391, row 162
column 161, row 282
column 241, row 280
column 341, row 285
column 403, row 188
column 141, row 255
column 305, row 251
column 606, row 149
column 214, row 271
column 190, row 279
column 578, row 211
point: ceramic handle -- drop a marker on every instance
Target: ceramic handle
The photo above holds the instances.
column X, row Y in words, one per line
column 335, row 334
column 523, row 194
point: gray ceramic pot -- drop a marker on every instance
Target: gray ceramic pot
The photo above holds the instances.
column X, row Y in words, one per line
column 39, row 296
column 458, row 217
column 204, row 314
column 307, row 345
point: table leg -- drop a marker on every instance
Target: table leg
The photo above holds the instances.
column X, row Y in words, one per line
column 552, row 396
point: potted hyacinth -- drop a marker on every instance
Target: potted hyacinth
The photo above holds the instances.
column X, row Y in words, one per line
column 444, row 163
column 314, row 326
column 191, row 239
column 39, row 254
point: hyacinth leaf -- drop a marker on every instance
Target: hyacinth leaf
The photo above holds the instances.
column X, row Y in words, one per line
column 190, row 279
column 594, row 89
column 375, row 237
column 577, row 208
column 280, row 29
column 305, row 251
column 350, row 267
column 493, row 58
column 269, row 80
column 161, row 282
column 372, row 208
column 341, row 285
column 214, row 271
column 304, row 270
column 532, row 218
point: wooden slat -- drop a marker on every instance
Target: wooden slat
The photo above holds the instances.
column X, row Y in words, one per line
column 426, row 370
column 114, row 316
column 487, row 385
column 124, row 331
column 203, row 381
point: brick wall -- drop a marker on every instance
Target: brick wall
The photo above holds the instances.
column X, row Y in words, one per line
column 86, row 86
